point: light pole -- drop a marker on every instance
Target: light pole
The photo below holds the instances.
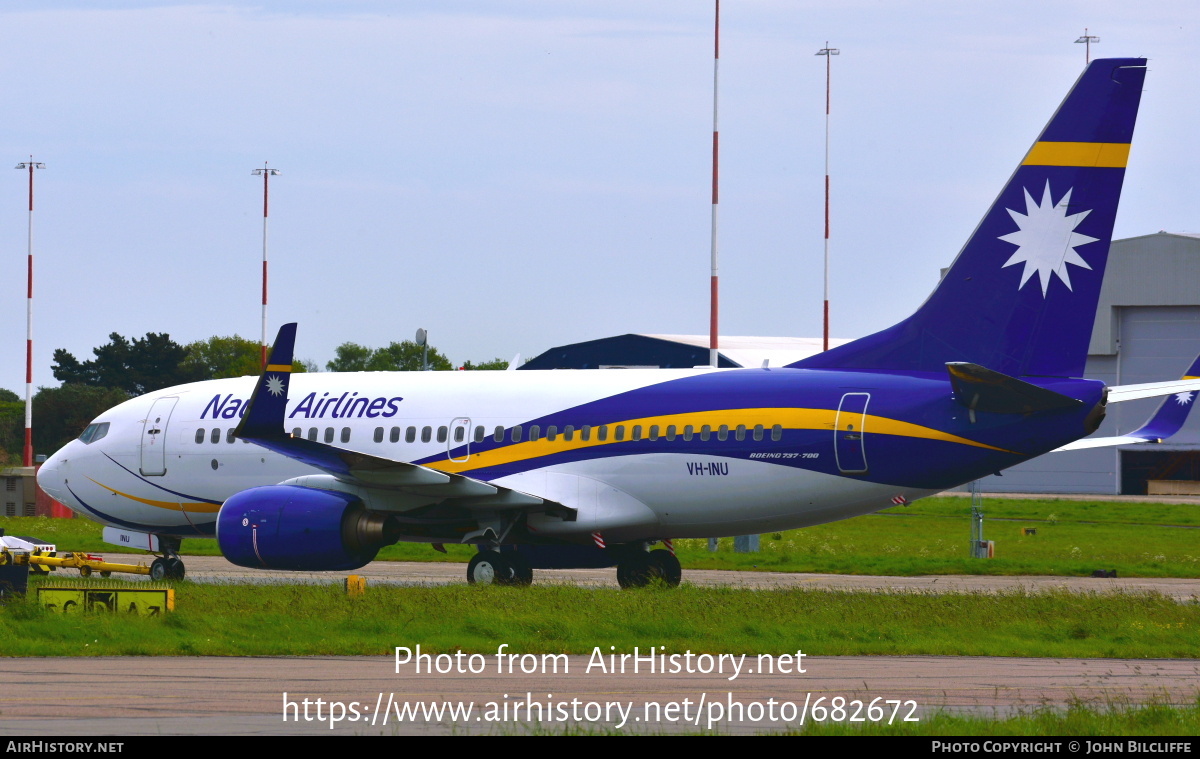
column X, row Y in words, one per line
column 828, row 52
column 266, row 174
column 712, row 316
column 1087, row 40
column 27, row 452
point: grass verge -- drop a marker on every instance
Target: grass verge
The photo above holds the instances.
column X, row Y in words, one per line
column 320, row 620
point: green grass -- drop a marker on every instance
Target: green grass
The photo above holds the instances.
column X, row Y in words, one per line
column 321, row 620
column 929, row 537
column 1078, row 719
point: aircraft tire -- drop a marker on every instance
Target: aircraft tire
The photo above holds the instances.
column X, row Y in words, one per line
column 158, row 569
column 522, row 572
column 664, row 566
column 489, row 568
column 634, row 571
column 175, row 568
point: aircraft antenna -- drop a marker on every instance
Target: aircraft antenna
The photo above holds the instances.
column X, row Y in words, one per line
column 828, row 52
column 27, row 453
column 712, row 318
column 1087, row 40
column 266, row 173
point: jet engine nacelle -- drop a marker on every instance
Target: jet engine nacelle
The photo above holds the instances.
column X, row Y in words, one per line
column 289, row 527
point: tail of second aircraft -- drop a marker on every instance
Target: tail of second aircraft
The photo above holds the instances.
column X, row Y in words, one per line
column 1021, row 296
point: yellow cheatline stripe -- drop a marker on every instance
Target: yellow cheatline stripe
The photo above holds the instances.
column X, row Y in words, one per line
column 202, row 508
column 279, row 367
column 1112, row 155
column 1188, row 376
column 789, row 418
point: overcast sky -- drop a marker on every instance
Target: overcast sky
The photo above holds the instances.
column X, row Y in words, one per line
column 518, row 175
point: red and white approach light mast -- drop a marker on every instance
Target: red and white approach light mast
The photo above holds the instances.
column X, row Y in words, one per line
column 27, row 454
column 712, row 319
column 828, row 52
column 266, row 173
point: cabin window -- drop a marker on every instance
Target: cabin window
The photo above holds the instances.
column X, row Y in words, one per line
column 312, row 433
column 569, row 432
column 410, row 435
column 758, row 432
column 426, row 434
column 297, row 432
column 777, row 432
column 516, row 434
column 378, row 434
column 535, row 432
column 653, row 432
column 345, row 434
column 328, row 434
column 602, row 433
column 499, row 434
column 229, row 438
column 199, row 435
column 688, row 432
column 480, row 434
column 705, row 432
column 636, row 432
column 670, row 432
column 552, row 432
column 394, row 435
column 585, row 433
column 459, row 433
column 443, row 432
column 619, row 433
column 723, row 432
column 741, row 432
column 215, row 437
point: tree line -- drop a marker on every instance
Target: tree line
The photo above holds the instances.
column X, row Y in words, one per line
column 126, row 368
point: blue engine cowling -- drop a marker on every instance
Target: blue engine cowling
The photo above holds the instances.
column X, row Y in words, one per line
column 290, row 527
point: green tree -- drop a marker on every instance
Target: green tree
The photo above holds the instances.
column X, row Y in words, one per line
column 234, row 356
column 493, row 365
column 404, row 356
column 12, row 427
column 61, row 413
column 138, row 366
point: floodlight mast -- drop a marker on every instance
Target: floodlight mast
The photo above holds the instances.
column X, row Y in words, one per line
column 266, row 173
column 1086, row 40
column 27, row 451
column 828, row 52
column 713, row 330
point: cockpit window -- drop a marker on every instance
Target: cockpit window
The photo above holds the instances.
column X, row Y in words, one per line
column 94, row 432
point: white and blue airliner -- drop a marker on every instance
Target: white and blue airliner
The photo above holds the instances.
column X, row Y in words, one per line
column 605, row 467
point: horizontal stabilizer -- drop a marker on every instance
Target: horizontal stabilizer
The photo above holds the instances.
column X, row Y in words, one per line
column 981, row 389
column 1167, row 420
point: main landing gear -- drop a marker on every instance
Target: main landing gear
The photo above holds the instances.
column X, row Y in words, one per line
column 636, row 567
column 640, row 568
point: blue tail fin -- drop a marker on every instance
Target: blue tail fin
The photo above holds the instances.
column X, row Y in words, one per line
column 264, row 414
column 1020, row 299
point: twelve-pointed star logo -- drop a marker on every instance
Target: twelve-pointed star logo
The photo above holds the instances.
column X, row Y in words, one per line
column 274, row 385
column 1184, row 398
column 1046, row 239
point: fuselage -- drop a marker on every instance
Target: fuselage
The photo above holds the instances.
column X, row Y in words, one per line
column 698, row 453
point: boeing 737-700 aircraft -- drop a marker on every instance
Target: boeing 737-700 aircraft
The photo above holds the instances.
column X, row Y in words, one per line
column 596, row 468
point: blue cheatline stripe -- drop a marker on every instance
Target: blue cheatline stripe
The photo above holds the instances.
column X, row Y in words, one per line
column 160, row 487
column 155, row 529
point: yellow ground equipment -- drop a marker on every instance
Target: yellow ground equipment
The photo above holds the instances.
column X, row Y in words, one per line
column 86, row 563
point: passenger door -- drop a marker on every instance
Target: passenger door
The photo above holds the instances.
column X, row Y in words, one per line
column 154, row 437
column 849, row 429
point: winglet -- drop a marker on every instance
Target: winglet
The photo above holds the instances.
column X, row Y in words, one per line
column 264, row 412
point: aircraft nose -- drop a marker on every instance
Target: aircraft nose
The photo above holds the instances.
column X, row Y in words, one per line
column 52, row 476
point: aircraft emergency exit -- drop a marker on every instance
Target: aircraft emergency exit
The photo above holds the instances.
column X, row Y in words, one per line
column 597, row 468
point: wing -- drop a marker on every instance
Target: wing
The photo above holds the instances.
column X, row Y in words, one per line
column 1167, row 419
column 388, row 485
